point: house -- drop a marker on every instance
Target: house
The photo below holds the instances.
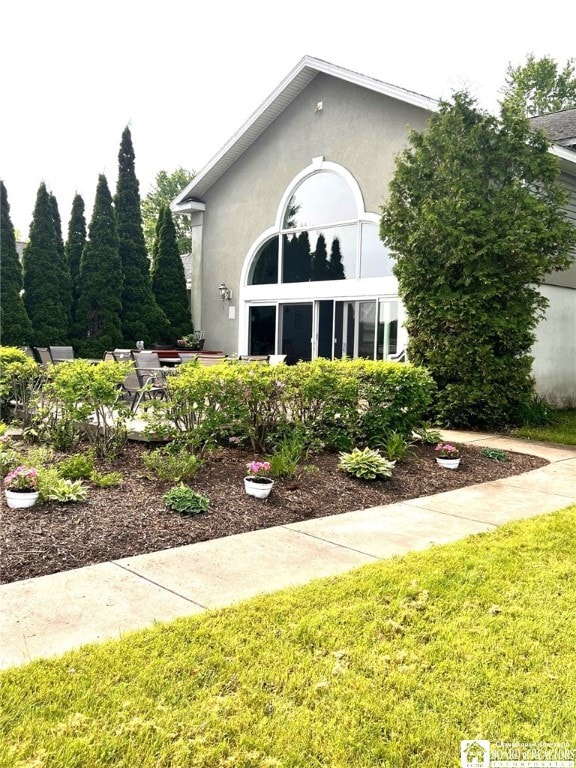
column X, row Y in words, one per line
column 286, row 256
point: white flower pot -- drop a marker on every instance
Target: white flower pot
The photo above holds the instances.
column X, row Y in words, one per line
column 448, row 463
column 21, row 499
column 258, row 486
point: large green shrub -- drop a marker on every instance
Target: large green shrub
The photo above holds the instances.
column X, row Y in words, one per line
column 15, row 325
column 20, row 379
column 476, row 220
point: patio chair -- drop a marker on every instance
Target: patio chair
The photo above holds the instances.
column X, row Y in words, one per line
column 276, row 359
column 61, row 354
column 211, row 359
column 43, row 356
column 121, row 355
column 254, row 359
column 151, row 376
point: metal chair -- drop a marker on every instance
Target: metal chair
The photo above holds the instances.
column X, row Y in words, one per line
column 43, row 356
column 276, row 359
column 151, row 376
column 121, row 355
column 254, row 359
column 61, row 354
column 211, row 359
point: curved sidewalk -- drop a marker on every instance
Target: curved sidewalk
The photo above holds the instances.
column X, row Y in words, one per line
column 52, row 614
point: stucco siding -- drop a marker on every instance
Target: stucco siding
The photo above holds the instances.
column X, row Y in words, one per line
column 356, row 128
column 555, row 348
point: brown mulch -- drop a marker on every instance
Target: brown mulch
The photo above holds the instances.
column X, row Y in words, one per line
column 132, row 519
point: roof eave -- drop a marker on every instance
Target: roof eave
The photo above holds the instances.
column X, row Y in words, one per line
column 293, row 84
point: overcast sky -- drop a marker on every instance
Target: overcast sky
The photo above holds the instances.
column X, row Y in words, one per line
column 186, row 75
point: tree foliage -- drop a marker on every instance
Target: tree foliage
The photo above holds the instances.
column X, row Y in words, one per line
column 42, row 272
column 475, row 219
column 15, row 326
column 168, row 278
column 76, row 242
column 539, row 86
column 63, row 280
column 98, row 324
column 142, row 318
column 167, row 186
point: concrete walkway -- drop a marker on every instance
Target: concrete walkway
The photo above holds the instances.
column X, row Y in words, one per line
column 51, row 614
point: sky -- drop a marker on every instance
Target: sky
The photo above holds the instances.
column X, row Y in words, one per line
column 185, row 76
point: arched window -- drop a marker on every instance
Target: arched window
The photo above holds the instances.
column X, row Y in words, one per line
column 323, row 236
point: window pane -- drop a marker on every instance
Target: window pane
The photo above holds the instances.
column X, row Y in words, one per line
column 387, row 329
column 366, row 329
column 265, row 264
column 321, row 199
column 375, row 259
column 262, row 331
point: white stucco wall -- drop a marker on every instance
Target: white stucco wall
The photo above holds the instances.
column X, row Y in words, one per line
column 555, row 348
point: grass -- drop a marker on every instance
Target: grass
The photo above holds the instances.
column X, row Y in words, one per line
column 390, row 665
column 562, row 429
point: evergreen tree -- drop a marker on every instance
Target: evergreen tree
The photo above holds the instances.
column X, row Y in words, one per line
column 15, row 325
column 142, row 318
column 168, row 278
column 63, row 280
column 75, row 244
column 320, row 269
column 335, row 266
column 97, row 323
column 476, row 219
column 42, row 270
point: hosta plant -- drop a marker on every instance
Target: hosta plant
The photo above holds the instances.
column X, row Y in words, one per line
column 366, row 464
column 186, row 501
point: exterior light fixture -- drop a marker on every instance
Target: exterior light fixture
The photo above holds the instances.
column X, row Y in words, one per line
column 225, row 293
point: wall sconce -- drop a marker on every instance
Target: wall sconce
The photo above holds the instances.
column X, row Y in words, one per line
column 225, row 293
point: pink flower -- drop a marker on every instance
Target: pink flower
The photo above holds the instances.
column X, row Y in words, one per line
column 258, row 468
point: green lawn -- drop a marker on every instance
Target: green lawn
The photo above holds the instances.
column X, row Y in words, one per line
column 562, row 430
column 390, row 665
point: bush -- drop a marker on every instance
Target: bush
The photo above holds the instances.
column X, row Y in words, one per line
column 186, row 501
column 52, row 487
column 172, row 464
column 396, row 447
column 367, row 464
column 77, row 467
column 109, row 480
column 20, row 380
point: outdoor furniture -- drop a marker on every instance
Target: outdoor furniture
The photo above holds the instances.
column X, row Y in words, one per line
column 121, row 355
column 151, row 376
column 61, row 354
column 276, row 359
column 43, row 356
column 213, row 359
column 254, row 359
column 187, row 357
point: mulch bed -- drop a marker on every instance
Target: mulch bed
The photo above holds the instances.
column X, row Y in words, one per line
column 132, row 519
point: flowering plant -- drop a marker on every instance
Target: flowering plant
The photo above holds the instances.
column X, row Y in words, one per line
column 447, row 451
column 258, row 468
column 21, row 479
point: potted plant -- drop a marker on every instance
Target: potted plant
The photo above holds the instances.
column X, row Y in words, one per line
column 257, row 483
column 193, row 340
column 20, row 487
column 447, row 455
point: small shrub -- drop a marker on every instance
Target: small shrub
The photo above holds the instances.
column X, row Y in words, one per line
column 9, row 458
column 285, row 461
column 109, row 480
column 495, row 454
column 52, row 487
column 172, row 466
column 396, row 447
column 186, row 501
column 427, row 434
column 40, row 455
column 367, row 464
column 536, row 413
column 77, row 467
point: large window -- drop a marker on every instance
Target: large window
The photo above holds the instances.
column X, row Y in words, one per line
column 323, row 237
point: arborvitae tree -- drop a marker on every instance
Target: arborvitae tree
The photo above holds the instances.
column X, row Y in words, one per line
column 75, row 244
column 98, row 324
column 320, row 260
column 63, row 279
column 168, row 278
column 42, row 270
column 476, row 219
column 15, row 325
column 335, row 266
column 142, row 318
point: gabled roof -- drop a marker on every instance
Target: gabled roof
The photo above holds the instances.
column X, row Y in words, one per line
column 560, row 127
column 292, row 85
